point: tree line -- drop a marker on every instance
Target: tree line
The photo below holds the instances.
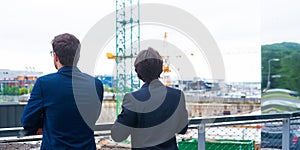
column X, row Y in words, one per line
column 284, row 73
column 15, row 90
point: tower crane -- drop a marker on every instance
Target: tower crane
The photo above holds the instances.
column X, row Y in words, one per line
column 166, row 63
column 127, row 45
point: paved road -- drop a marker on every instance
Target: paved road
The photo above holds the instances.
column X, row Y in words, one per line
column 280, row 99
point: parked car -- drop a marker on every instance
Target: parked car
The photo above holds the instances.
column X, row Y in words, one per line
column 271, row 135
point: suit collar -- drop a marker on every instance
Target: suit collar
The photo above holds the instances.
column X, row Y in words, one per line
column 68, row 69
column 154, row 83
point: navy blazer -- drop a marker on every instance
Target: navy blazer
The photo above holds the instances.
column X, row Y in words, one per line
column 152, row 125
column 66, row 104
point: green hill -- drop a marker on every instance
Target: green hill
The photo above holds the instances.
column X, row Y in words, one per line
column 288, row 67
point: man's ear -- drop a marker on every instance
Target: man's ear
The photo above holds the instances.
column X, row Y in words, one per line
column 140, row 77
column 55, row 57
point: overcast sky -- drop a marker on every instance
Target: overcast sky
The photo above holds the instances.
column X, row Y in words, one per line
column 280, row 21
column 239, row 27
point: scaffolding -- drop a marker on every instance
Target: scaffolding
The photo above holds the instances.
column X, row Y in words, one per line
column 127, row 46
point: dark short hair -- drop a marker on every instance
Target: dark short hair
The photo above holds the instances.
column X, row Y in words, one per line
column 149, row 69
column 67, row 48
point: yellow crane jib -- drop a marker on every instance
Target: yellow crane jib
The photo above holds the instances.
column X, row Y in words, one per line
column 166, row 68
column 110, row 56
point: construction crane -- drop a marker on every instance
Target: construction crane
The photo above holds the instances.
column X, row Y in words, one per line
column 127, row 45
column 166, row 64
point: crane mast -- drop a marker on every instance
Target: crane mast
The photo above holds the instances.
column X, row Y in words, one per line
column 127, row 46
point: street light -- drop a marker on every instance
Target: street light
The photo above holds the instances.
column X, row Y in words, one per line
column 276, row 76
column 269, row 73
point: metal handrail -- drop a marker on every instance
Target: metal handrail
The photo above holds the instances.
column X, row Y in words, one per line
column 202, row 122
column 104, row 128
column 233, row 118
column 12, row 134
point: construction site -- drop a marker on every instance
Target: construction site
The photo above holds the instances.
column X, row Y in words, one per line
column 223, row 113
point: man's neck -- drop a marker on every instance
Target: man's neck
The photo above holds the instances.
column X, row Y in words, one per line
column 59, row 66
column 64, row 66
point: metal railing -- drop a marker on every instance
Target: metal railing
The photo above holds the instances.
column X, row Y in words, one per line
column 269, row 127
column 12, row 134
column 281, row 131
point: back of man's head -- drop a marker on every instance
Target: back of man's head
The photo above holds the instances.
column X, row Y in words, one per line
column 148, row 65
column 67, row 48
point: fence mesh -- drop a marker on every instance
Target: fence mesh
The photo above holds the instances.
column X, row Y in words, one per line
column 295, row 133
column 252, row 136
column 224, row 138
column 249, row 135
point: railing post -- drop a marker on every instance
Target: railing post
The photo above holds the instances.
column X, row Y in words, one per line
column 286, row 134
column 201, row 136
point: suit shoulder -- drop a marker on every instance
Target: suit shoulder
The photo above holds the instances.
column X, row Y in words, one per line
column 174, row 90
column 97, row 80
column 86, row 75
column 47, row 77
column 136, row 92
column 90, row 77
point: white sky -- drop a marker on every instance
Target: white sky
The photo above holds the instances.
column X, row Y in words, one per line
column 239, row 27
column 280, row 21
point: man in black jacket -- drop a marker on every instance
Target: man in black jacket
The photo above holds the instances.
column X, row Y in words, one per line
column 153, row 114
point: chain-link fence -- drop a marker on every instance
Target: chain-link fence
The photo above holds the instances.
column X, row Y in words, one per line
column 33, row 142
column 272, row 134
column 273, row 131
column 225, row 137
column 102, row 143
column 265, row 132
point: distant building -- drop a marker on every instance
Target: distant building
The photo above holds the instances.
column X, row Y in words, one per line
column 188, row 85
column 18, row 78
column 107, row 80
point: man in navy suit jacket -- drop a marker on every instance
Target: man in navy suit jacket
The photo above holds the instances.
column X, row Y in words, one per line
column 153, row 114
column 65, row 104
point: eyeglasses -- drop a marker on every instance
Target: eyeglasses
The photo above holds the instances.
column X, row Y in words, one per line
column 51, row 53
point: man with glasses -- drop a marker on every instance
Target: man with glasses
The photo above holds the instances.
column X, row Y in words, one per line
column 65, row 105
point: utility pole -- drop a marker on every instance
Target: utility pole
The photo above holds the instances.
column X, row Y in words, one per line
column 269, row 72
